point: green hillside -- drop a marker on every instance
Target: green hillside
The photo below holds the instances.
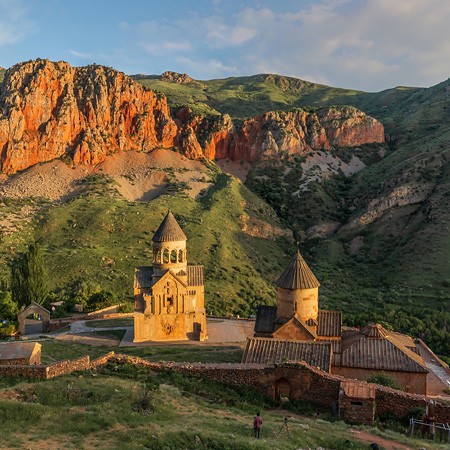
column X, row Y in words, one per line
column 99, row 238
column 384, row 279
column 242, row 97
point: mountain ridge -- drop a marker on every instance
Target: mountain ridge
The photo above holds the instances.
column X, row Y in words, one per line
column 52, row 110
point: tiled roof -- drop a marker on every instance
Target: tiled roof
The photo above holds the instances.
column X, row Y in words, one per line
column 169, row 230
column 297, row 322
column 195, row 276
column 297, row 275
column 17, row 350
column 265, row 318
column 272, row 351
column 358, row 389
column 374, row 330
column 329, row 323
column 143, row 277
column 380, row 353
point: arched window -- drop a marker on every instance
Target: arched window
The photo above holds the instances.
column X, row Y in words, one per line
column 180, row 255
column 158, row 256
column 173, row 256
column 166, row 256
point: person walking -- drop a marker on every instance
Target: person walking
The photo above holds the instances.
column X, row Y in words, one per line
column 257, row 422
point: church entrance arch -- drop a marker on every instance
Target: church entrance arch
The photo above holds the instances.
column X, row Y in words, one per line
column 33, row 319
column 281, row 390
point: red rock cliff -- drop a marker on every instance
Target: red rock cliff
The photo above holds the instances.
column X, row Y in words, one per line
column 49, row 110
column 52, row 109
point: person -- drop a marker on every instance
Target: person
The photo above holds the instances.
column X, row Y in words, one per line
column 257, row 422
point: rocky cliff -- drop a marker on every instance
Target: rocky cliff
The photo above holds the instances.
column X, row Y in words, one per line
column 50, row 110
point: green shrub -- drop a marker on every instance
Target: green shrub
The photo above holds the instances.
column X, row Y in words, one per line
column 384, row 380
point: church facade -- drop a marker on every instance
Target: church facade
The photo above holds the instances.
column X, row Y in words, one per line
column 169, row 294
column 296, row 329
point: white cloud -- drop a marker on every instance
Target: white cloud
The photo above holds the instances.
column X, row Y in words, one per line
column 81, row 55
column 361, row 44
column 164, row 47
column 14, row 24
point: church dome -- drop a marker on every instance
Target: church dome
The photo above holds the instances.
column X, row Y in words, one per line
column 298, row 275
column 169, row 230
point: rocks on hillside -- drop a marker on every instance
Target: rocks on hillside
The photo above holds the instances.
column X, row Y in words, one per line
column 175, row 77
column 50, row 110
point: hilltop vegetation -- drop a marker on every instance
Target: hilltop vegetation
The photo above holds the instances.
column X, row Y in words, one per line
column 360, row 230
column 381, row 218
column 94, row 241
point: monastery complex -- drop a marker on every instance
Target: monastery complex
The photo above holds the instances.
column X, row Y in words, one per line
column 296, row 329
column 169, row 306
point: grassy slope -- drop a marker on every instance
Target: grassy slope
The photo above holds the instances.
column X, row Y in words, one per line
column 385, row 281
column 242, row 97
column 101, row 238
column 108, row 410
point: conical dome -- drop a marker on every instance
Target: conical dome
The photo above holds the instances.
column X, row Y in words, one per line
column 169, row 230
column 298, row 275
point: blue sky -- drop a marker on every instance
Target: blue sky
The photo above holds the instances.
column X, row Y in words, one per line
column 361, row 44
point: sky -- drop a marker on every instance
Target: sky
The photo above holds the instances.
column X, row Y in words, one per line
column 360, row 44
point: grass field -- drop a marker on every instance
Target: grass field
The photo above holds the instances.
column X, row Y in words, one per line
column 134, row 410
column 53, row 350
column 110, row 323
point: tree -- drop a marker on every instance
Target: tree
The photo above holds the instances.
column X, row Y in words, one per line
column 28, row 279
column 8, row 309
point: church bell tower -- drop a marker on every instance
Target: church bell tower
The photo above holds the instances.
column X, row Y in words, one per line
column 298, row 291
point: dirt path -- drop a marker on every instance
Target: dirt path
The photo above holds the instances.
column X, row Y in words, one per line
column 387, row 444
column 360, row 435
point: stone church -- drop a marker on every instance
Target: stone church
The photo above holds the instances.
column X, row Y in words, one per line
column 296, row 329
column 169, row 294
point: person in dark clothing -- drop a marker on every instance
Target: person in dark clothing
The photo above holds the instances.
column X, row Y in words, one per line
column 257, row 422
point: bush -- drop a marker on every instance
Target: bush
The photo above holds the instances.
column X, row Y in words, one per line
column 7, row 330
column 101, row 300
column 144, row 396
column 384, row 380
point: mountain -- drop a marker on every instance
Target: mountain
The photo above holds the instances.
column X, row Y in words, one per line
column 51, row 110
column 370, row 214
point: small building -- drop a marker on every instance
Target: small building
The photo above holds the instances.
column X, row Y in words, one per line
column 27, row 326
column 357, row 402
column 297, row 330
column 20, row 353
column 169, row 302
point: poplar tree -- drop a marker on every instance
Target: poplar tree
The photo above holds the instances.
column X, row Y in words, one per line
column 28, row 279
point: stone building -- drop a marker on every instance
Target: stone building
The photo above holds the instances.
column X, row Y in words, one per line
column 169, row 295
column 296, row 329
column 357, row 402
column 20, row 353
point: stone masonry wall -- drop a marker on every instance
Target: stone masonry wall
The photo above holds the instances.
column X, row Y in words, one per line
column 101, row 360
column 45, row 372
column 69, row 366
column 306, row 383
column 21, row 371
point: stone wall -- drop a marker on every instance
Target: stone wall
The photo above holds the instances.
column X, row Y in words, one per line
column 45, row 372
column 354, row 410
column 400, row 404
column 22, row 371
column 306, row 383
column 69, row 366
column 102, row 360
